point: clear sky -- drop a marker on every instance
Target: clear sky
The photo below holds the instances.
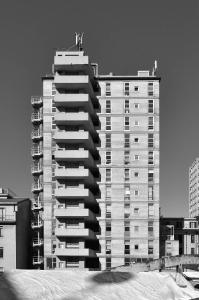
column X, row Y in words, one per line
column 123, row 37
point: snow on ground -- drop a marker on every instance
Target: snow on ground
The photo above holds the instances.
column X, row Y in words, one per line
column 76, row 285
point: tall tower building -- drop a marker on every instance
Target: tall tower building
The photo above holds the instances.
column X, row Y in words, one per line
column 194, row 189
column 95, row 166
column 129, row 168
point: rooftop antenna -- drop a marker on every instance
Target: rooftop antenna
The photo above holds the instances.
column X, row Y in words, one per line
column 79, row 40
column 155, row 68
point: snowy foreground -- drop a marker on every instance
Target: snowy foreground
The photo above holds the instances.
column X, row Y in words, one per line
column 76, row 285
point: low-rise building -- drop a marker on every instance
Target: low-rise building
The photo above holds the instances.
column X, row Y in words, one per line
column 179, row 236
column 15, row 231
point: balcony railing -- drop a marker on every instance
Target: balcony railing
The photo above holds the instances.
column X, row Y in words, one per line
column 37, row 224
column 37, row 260
column 37, row 242
column 36, row 151
column 36, row 187
column 36, row 117
column 37, row 205
column 36, row 100
column 8, row 218
column 37, row 134
column 36, row 169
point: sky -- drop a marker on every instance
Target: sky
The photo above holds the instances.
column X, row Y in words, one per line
column 122, row 37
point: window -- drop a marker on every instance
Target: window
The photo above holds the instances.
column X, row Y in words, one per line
column 150, row 247
column 150, row 123
column 108, row 123
column 150, row 106
column 151, row 210
column 1, row 252
column 136, row 192
column 1, row 231
column 126, row 140
column 136, row 157
column 136, row 105
column 150, row 193
column 108, row 192
column 127, row 215
column 126, row 157
column 108, row 228
column 108, row 140
column 150, row 140
column 126, row 88
column 126, row 174
column 108, row 89
column 136, row 174
column 192, row 238
column 150, row 88
column 127, row 190
column 150, row 228
column 127, row 261
column 136, row 210
column 108, row 106
column 108, row 210
column 136, row 140
column 136, row 247
column 126, row 106
column 126, row 205
column 135, row 88
column 126, row 246
column 108, row 157
column 108, row 263
column 192, row 251
column 150, row 176
column 136, row 123
column 108, row 174
column 126, row 226
column 126, row 123
column 136, row 228
column 150, row 158
column 108, row 246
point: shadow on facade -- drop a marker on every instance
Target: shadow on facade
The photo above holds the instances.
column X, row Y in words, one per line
column 7, row 291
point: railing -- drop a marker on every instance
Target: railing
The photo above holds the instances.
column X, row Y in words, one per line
column 38, row 259
column 36, row 151
column 36, row 134
column 36, row 169
column 37, row 242
column 37, row 205
column 7, row 218
column 37, row 224
column 36, row 117
column 36, row 100
column 36, row 186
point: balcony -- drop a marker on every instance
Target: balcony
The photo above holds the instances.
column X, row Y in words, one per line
column 37, row 242
column 37, row 260
column 37, row 224
column 78, row 62
column 36, row 135
column 75, row 193
column 36, row 187
column 36, row 101
column 75, row 232
column 37, row 205
column 77, row 118
column 77, row 100
column 81, row 174
column 74, row 252
column 36, row 169
column 75, row 212
column 36, row 117
column 81, row 155
column 36, row 152
column 76, row 137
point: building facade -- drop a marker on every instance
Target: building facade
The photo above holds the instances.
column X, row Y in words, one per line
column 179, row 236
column 129, row 168
column 95, row 166
column 15, row 231
column 194, row 189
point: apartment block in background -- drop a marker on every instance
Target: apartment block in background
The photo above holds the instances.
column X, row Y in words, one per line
column 15, row 231
column 179, row 236
column 129, row 168
column 65, row 170
column 194, row 189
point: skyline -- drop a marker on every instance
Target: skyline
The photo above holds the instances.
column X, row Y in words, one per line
column 129, row 41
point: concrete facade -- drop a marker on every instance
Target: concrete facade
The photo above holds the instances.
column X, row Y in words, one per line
column 85, row 122
column 194, row 189
column 15, row 231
